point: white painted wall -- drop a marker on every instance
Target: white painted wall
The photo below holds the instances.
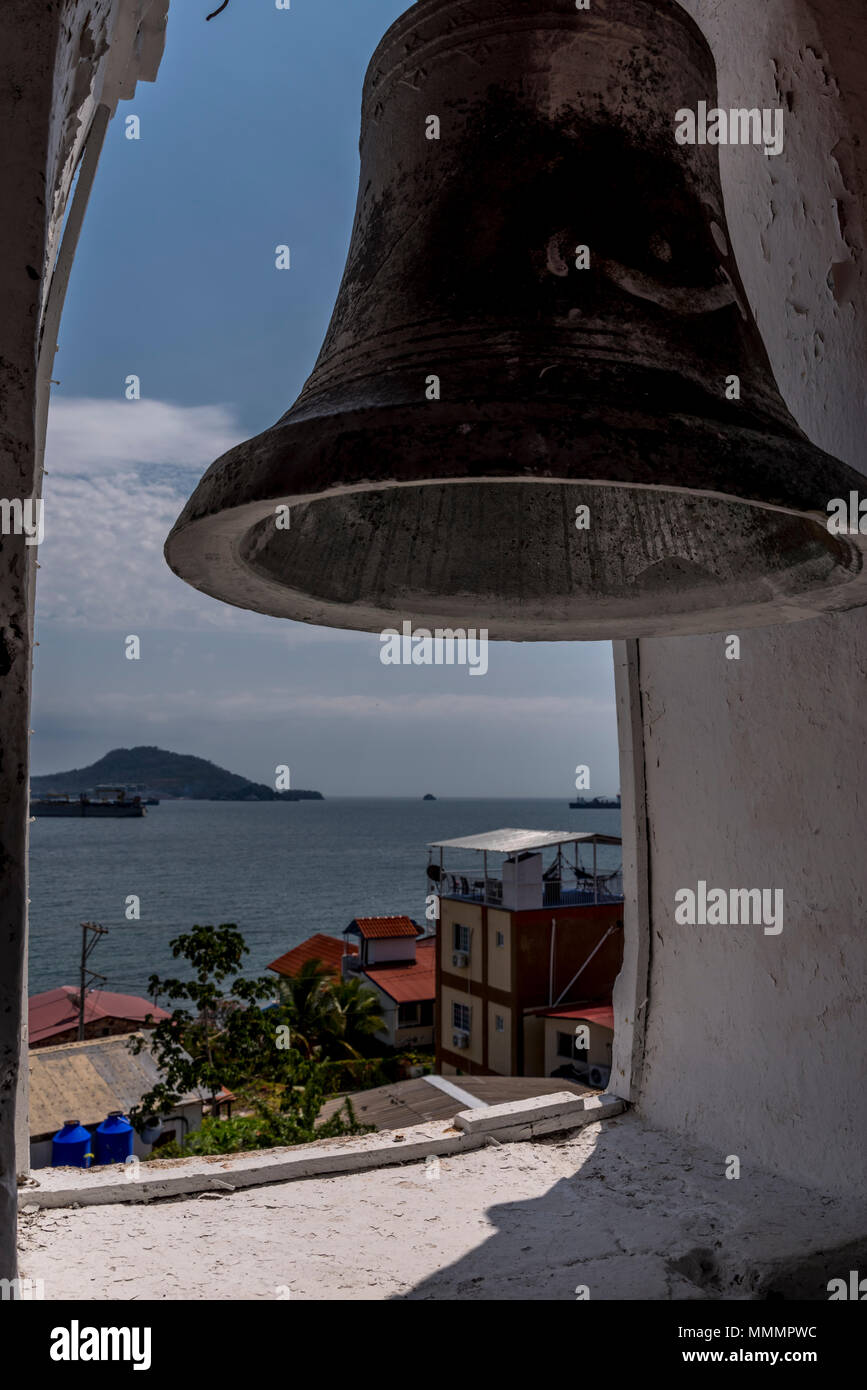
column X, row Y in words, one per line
column 755, row 769
column 381, row 949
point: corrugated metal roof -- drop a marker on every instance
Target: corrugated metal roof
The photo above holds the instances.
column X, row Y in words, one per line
column 86, row 1080
column 328, row 949
column 370, row 927
column 414, row 1102
column 516, row 841
column 56, row 1010
column 409, row 983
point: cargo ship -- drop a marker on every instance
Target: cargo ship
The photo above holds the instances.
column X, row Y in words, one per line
column 62, row 804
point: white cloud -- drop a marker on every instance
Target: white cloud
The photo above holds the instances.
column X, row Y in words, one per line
column 278, row 703
column 102, row 565
column 88, row 436
column 106, row 521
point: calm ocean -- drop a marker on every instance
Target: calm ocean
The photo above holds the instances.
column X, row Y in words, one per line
column 279, row 870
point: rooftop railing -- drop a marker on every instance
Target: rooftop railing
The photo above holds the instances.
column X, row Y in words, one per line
column 553, row 892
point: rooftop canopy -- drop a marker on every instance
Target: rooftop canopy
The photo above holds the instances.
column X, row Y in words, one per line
column 517, row 841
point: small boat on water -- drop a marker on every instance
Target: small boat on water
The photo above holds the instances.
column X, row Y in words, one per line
column 64, row 804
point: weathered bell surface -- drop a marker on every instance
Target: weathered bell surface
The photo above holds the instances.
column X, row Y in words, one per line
column 483, row 380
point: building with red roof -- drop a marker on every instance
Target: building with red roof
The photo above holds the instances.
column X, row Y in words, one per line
column 382, row 928
column 391, row 956
column 53, row 1015
column 407, row 990
column 401, row 968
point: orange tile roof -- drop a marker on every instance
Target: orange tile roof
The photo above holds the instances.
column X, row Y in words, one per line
column 370, row 927
column 410, row 983
column 328, row 949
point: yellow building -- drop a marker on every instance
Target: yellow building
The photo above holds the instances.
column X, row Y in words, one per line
column 512, row 945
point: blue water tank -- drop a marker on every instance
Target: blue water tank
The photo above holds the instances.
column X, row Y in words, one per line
column 113, row 1139
column 72, row 1146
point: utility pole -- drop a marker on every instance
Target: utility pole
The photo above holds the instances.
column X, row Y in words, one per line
column 87, row 946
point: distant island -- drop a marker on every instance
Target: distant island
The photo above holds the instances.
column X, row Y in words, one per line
column 596, row 803
column 428, row 796
column 166, row 774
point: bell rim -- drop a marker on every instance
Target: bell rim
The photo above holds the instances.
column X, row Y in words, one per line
column 206, row 553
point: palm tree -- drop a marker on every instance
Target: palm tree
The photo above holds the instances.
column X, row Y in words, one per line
column 356, row 1015
column 305, row 1001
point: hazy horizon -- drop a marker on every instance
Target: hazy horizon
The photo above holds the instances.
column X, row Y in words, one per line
column 343, row 795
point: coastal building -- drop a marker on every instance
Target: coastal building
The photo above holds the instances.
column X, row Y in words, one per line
column 386, row 954
column 579, row 1043
column 533, row 936
column 53, row 1015
column 86, row 1081
column 389, row 955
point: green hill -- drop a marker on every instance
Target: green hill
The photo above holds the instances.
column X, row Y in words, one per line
column 167, row 774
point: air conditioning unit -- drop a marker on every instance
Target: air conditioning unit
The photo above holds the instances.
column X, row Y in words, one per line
column 599, row 1076
column 460, row 960
column 460, row 1039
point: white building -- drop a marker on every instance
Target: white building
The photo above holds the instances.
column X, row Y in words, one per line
column 390, row 958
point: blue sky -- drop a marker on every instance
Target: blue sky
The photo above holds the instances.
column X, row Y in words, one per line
column 248, row 139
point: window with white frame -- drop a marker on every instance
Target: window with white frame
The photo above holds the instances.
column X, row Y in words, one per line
column 462, row 938
column 501, row 938
column 461, row 1017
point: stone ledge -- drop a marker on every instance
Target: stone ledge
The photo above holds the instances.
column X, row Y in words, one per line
column 564, row 1107
column 523, row 1120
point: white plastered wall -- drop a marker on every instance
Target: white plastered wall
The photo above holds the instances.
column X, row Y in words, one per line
column 754, row 769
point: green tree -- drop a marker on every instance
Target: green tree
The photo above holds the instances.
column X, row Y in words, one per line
column 226, row 1038
column 219, row 1034
column 329, row 1018
column 190, row 1046
column 305, row 1006
column 356, row 1014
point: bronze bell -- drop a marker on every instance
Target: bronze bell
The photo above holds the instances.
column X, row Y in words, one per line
column 484, row 379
